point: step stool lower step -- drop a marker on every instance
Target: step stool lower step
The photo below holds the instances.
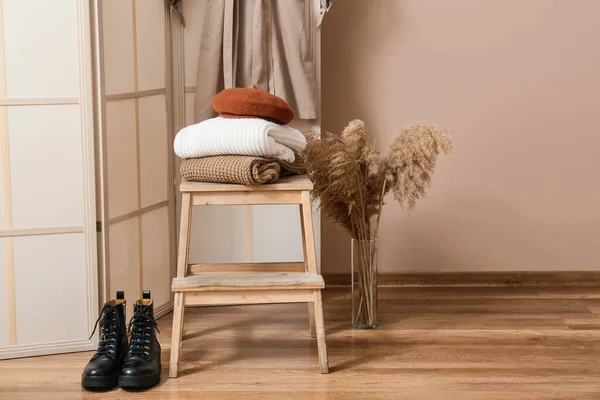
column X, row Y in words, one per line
column 251, row 281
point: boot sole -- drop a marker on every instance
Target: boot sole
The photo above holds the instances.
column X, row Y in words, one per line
column 99, row 382
column 139, row 382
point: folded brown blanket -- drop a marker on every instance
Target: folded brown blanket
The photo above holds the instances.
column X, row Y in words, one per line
column 243, row 170
column 297, row 167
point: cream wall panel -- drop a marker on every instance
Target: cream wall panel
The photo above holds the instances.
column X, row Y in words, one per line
column 154, row 149
column 45, row 151
column 218, row 234
column 194, row 16
column 121, row 157
column 3, row 309
column 150, row 22
column 276, row 233
column 46, row 60
column 50, row 287
column 1, row 188
column 155, row 255
column 125, row 261
column 117, row 32
column 41, row 48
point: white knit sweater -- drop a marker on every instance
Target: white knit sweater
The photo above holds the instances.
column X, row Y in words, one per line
column 241, row 136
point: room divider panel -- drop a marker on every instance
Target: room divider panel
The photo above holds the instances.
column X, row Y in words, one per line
column 91, row 94
column 86, row 178
column 48, row 279
column 135, row 163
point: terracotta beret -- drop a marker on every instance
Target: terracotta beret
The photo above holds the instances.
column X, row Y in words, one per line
column 252, row 103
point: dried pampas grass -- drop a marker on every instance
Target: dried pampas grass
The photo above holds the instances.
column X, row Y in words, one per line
column 411, row 161
column 351, row 178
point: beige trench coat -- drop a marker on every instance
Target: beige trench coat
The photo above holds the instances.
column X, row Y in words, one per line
column 267, row 43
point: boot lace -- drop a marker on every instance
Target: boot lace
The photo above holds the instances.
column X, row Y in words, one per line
column 109, row 327
column 140, row 328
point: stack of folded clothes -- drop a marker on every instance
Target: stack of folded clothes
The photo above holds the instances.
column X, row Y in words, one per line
column 249, row 143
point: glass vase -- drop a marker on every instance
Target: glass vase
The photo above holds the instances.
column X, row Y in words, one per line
column 364, row 284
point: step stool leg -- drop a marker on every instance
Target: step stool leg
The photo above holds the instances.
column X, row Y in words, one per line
column 308, row 246
column 181, row 332
column 182, row 265
column 311, row 320
column 184, row 234
column 311, row 306
column 176, row 335
column 309, row 234
column 322, row 346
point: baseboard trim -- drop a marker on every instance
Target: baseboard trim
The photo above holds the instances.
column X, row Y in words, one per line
column 163, row 309
column 71, row 346
column 29, row 350
column 499, row 278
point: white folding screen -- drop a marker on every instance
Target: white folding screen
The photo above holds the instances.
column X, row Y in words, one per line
column 48, row 276
column 135, row 155
column 242, row 233
column 119, row 72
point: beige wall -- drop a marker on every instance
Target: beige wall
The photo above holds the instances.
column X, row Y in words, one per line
column 518, row 84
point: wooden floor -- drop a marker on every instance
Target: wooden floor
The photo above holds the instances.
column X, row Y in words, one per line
column 432, row 343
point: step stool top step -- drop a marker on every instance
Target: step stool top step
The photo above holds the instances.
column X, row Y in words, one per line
column 251, row 281
column 293, row 182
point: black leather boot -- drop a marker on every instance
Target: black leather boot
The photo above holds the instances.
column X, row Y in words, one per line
column 141, row 368
column 102, row 371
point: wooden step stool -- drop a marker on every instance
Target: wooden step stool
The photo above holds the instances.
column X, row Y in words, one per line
column 262, row 283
